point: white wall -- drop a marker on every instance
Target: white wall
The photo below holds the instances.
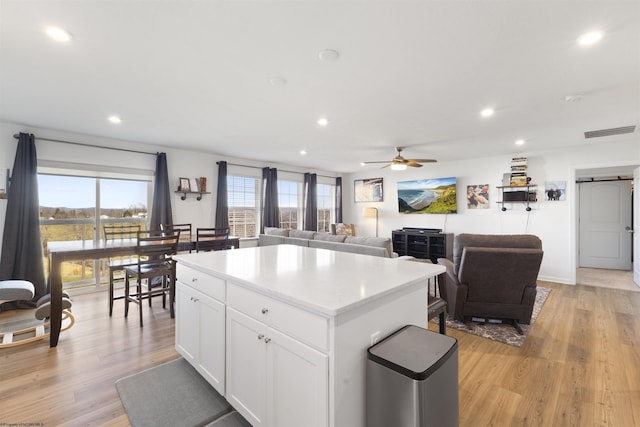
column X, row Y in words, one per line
column 553, row 222
column 180, row 163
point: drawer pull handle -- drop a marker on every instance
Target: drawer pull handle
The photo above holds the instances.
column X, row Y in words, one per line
column 260, row 337
column 267, row 340
column 265, row 310
column 195, row 279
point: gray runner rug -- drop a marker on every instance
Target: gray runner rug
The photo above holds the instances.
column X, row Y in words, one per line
column 174, row 395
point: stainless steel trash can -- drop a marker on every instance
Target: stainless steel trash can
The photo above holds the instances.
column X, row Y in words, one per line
column 412, row 380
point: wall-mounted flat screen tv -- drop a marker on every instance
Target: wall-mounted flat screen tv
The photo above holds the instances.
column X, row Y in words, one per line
column 427, row 196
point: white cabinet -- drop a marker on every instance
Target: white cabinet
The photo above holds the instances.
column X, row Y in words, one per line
column 200, row 327
column 283, row 330
column 273, row 379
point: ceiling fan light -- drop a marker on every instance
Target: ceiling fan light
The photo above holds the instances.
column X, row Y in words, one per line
column 398, row 167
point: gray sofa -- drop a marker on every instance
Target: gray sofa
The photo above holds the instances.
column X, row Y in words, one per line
column 375, row 246
column 492, row 276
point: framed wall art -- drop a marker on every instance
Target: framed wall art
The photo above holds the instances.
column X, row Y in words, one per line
column 184, row 185
column 368, row 190
column 427, row 196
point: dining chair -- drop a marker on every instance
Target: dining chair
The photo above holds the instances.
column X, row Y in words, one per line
column 185, row 235
column 212, row 239
column 114, row 233
column 155, row 269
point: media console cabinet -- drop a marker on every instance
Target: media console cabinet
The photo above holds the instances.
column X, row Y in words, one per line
column 282, row 331
column 423, row 244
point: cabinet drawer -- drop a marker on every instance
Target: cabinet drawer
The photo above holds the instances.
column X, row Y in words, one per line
column 302, row 325
column 207, row 284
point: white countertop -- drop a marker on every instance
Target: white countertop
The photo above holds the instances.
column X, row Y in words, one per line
column 324, row 281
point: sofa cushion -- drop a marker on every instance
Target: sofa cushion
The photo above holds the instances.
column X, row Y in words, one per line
column 329, row 237
column 301, row 234
column 348, row 247
column 267, row 240
column 380, row 242
column 274, row 231
column 295, row 241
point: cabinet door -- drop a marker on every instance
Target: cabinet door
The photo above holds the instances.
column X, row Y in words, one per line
column 246, row 364
column 211, row 333
column 297, row 383
column 186, row 323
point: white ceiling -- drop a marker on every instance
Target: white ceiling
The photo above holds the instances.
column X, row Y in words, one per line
column 196, row 74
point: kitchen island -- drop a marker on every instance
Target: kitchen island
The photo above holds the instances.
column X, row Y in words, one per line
column 282, row 331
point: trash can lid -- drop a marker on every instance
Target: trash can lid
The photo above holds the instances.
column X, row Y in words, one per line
column 413, row 351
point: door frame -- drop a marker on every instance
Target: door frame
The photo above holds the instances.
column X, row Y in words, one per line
column 575, row 212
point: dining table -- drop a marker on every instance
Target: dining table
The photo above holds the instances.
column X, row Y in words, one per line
column 77, row 250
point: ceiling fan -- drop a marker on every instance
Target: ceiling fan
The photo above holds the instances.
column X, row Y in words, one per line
column 399, row 163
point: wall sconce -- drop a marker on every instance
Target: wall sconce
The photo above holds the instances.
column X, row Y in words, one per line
column 371, row 213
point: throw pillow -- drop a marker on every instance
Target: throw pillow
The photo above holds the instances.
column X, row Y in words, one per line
column 274, row 231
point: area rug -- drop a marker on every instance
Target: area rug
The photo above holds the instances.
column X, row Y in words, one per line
column 173, row 395
column 504, row 333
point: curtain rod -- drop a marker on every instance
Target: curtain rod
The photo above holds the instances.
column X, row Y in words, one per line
column 16, row 136
column 283, row 170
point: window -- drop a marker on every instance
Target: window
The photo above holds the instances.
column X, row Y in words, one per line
column 76, row 208
column 289, row 204
column 242, row 196
column 326, row 206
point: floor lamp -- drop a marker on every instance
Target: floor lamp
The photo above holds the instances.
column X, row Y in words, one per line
column 372, row 213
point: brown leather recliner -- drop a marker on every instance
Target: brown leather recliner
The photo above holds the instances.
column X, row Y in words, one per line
column 492, row 276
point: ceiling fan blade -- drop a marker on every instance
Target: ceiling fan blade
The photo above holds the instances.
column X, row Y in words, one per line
column 399, row 160
column 423, row 160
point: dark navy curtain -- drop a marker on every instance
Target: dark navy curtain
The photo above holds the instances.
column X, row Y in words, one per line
column 161, row 206
column 338, row 199
column 310, row 222
column 22, row 253
column 271, row 212
column 222, row 202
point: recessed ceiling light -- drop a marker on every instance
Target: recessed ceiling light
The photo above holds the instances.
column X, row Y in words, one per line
column 278, row 81
column 363, row 164
column 590, row 38
column 58, row 34
column 487, row 112
column 115, row 119
column 520, row 142
column 329, row 55
column 303, row 152
column 323, row 121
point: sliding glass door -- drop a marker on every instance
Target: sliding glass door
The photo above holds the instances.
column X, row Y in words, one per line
column 77, row 207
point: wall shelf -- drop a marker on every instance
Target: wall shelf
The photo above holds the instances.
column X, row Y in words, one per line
column 185, row 193
column 518, row 194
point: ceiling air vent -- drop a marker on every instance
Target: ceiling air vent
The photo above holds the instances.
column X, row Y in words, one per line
column 610, row 132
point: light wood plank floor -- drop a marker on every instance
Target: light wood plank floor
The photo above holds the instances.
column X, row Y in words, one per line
column 580, row 366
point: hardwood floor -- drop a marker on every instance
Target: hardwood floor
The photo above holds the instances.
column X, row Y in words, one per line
column 73, row 384
column 614, row 279
column 579, row 366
